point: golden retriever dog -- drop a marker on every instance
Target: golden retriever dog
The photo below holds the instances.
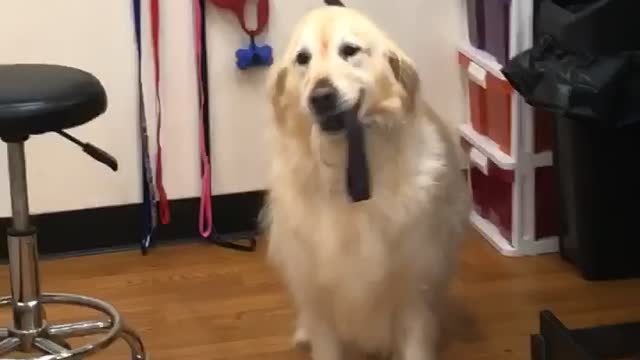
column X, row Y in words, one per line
column 364, row 276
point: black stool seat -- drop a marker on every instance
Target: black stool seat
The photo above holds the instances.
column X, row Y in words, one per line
column 38, row 98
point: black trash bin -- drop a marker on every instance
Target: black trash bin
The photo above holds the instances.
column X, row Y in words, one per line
column 599, row 182
column 593, row 86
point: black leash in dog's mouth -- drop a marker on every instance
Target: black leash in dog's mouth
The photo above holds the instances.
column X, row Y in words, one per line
column 358, row 177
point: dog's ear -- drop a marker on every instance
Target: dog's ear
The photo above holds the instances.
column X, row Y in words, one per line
column 406, row 74
column 276, row 87
column 277, row 83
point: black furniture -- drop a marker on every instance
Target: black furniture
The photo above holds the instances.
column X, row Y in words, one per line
column 557, row 342
column 37, row 99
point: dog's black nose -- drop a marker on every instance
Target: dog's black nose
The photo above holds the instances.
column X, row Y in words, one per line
column 324, row 97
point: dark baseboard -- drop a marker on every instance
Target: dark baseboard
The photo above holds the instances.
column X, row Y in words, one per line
column 107, row 228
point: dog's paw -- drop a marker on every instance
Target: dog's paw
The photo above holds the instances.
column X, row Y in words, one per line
column 301, row 339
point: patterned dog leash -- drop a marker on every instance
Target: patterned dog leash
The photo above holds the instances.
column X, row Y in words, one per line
column 148, row 195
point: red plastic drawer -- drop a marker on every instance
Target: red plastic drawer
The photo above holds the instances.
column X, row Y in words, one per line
column 480, row 192
column 499, row 113
column 492, row 192
column 501, row 195
column 478, row 107
column 490, row 104
column 492, row 189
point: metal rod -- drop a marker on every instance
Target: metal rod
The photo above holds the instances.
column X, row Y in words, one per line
column 23, row 250
column 71, row 138
column 8, row 345
column 79, row 329
column 18, row 186
column 50, row 347
column 25, row 283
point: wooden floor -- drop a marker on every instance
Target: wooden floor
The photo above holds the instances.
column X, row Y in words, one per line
column 202, row 302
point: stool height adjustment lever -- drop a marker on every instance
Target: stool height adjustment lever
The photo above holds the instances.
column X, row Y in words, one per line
column 95, row 152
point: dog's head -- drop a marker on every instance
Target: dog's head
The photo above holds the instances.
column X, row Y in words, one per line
column 336, row 60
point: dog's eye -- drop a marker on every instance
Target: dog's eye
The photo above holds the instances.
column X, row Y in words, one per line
column 349, row 50
column 303, row 58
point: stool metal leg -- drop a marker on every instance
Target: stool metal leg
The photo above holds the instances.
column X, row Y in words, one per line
column 50, row 347
column 28, row 316
column 30, row 330
column 18, row 186
column 9, row 345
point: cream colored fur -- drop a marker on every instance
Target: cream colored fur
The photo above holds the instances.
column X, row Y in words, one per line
column 370, row 275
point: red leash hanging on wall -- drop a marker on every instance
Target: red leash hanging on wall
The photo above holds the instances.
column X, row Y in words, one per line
column 165, row 212
column 205, row 220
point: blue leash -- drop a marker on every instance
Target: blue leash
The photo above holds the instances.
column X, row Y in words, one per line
column 150, row 218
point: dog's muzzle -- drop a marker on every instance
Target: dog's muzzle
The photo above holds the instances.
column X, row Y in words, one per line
column 324, row 102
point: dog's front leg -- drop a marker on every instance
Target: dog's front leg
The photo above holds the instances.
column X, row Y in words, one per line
column 420, row 334
column 301, row 334
column 325, row 345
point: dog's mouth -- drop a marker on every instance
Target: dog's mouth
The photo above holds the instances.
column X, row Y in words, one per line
column 336, row 122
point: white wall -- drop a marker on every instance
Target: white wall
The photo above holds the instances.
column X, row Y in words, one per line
column 97, row 36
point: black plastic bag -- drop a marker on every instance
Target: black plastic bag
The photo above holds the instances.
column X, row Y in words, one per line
column 603, row 27
column 576, row 85
column 583, row 65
